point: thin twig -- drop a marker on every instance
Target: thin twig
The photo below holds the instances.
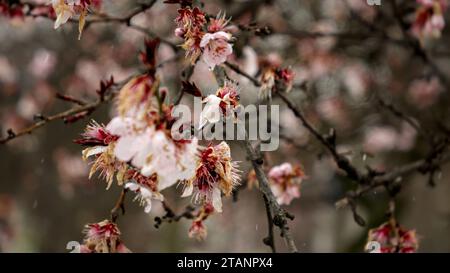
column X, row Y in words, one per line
column 85, row 109
column 342, row 162
column 270, row 239
column 171, row 216
column 236, row 69
column 397, row 174
column 70, row 99
column 120, row 205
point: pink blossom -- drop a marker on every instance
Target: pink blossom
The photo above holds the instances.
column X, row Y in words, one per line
column 285, row 195
column 267, row 84
column 105, row 163
column 12, row 9
column 190, row 20
column 8, row 73
column 279, row 172
column 429, row 21
column 285, row 181
column 380, row 139
column 144, row 194
column 219, row 23
column 43, row 63
column 357, row 78
column 380, row 234
column 71, row 170
column 272, row 76
column 153, row 151
column 189, row 27
column 222, row 104
column 66, row 9
column 211, row 112
column 198, row 230
column 121, row 248
column 216, row 48
column 387, row 138
column 27, row 106
column 179, row 32
column 103, row 237
column 136, row 95
column 424, row 92
column 334, row 110
column 96, row 134
column 250, row 61
column 394, row 238
column 215, row 174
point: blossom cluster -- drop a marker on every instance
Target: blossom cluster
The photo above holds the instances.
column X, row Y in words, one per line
column 66, row 9
column 221, row 104
column 136, row 147
column 285, row 181
column 210, row 40
column 394, row 238
column 103, row 237
column 273, row 76
column 198, row 229
column 11, row 10
column 429, row 21
column 215, row 174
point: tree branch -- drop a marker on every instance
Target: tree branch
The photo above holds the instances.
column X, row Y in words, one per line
column 120, row 206
column 280, row 216
column 270, row 239
column 76, row 113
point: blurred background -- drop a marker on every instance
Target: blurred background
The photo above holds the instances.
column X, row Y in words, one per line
column 46, row 197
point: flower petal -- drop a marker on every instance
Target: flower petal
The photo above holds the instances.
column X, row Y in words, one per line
column 93, row 151
column 188, row 189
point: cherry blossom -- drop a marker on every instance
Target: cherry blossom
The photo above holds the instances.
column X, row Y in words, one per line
column 103, row 237
column 211, row 41
column 144, row 195
column 139, row 139
column 285, row 181
column 387, row 138
column 190, row 23
column 221, row 104
column 101, row 143
column 273, row 75
column 96, row 134
column 105, row 163
column 153, row 151
column 215, row 174
column 216, row 48
column 267, row 84
column 66, row 9
column 198, row 229
column 211, row 112
column 220, row 23
column 425, row 92
column 135, row 96
column 11, row 9
column 394, row 238
column 429, row 21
